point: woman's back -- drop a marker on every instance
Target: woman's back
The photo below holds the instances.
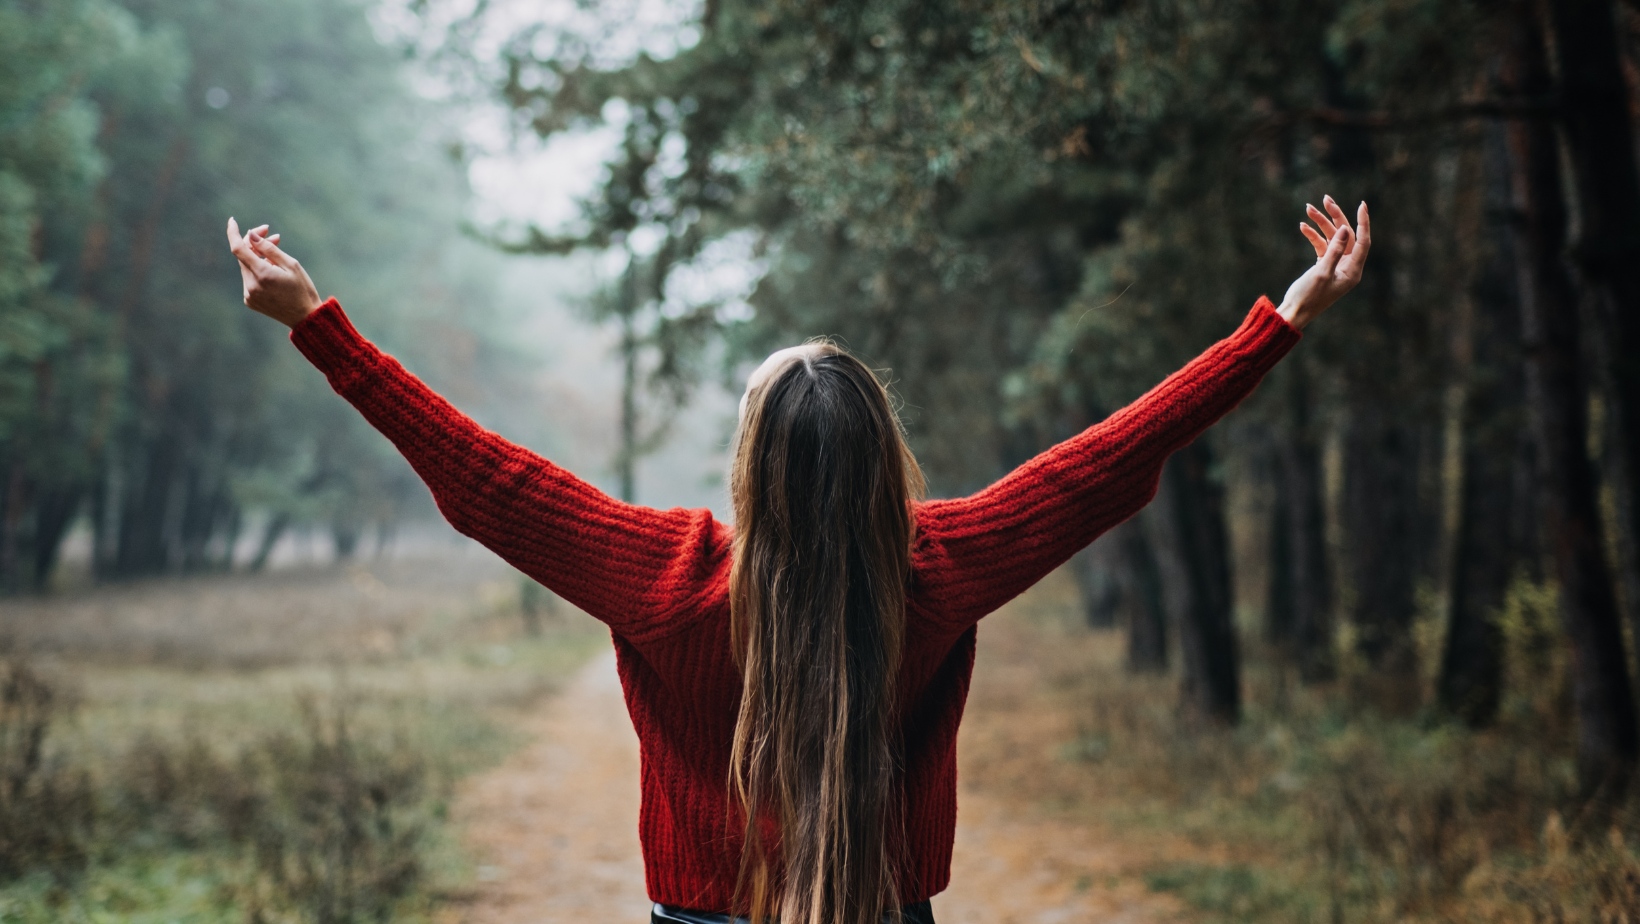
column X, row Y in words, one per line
column 661, row 581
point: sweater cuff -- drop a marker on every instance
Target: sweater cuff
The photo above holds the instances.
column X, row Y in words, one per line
column 331, row 343
column 1267, row 329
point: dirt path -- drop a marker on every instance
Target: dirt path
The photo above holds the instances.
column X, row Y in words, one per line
column 556, row 826
column 555, row 830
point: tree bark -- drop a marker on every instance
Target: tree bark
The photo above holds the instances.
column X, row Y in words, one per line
column 13, row 506
column 626, row 462
column 1207, row 635
column 1280, row 608
column 1381, row 497
column 1095, row 569
column 1304, row 524
column 144, row 548
column 1486, row 547
column 1146, row 610
column 53, row 514
column 1608, row 740
column 1599, row 134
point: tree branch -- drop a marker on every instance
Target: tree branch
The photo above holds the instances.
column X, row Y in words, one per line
column 1388, row 120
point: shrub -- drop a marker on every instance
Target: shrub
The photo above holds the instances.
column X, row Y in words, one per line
column 341, row 832
column 47, row 809
column 318, row 823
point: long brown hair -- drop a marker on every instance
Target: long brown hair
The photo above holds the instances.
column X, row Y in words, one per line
column 822, row 485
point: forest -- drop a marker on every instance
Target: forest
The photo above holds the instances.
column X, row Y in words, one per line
column 1032, row 212
column 1415, row 551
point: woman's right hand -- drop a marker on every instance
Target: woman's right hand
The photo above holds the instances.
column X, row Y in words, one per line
column 275, row 284
column 1339, row 259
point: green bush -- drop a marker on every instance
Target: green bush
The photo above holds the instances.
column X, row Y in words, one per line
column 47, row 809
column 321, row 824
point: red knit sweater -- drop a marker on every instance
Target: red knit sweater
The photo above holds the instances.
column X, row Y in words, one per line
column 659, row 579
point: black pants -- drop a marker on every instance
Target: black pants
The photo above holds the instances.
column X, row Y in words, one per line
column 920, row 913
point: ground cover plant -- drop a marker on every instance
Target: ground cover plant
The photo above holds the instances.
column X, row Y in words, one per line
column 307, row 790
column 1312, row 809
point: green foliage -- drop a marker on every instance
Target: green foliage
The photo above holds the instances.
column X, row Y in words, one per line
column 54, row 353
column 133, row 386
column 1033, row 211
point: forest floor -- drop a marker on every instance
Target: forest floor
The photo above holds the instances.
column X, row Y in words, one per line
column 534, row 730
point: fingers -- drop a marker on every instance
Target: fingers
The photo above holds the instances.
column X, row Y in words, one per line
column 249, row 259
column 1333, row 211
column 1321, row 220
column 1354, row 263
column 269, row 249
column 1335, row 251
column 241, row 248
column 1314, row 237
column 1338, row 217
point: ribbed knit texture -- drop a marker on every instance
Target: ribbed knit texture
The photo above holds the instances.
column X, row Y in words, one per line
column 660, row 578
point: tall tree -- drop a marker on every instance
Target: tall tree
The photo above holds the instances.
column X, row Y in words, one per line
column 1207, row 632
column 1557, row 389
column 1487, row 548
column 56, row 351
column 1147, row 622
column 1028, row 207
column 1301, row 589
column 1596, row 112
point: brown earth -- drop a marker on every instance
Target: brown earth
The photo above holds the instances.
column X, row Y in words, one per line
column 554, row 827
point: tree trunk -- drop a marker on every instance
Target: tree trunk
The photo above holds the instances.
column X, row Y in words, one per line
column 270, row 537
column 1608, row 740
column 1281, row 607
column 1599, row 135
column 1381, row 497
column 1616, row 471
column 144, row 548
column 1207, row 634
column 626, row 463
column 13, row 505
column 53, row 514
column 1146, row 610
column 1095, row 569
column 1303, row 504
column 1486, row 547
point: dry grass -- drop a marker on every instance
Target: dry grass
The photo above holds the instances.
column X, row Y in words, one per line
column 244, row 772
column 282, row 750
column 1311, row 810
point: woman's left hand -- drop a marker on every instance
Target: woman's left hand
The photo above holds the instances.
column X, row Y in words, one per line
column 274, row 283
column 1340, row 256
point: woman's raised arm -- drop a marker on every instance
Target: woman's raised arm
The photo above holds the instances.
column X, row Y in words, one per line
column 635, row 568
column 973, row 554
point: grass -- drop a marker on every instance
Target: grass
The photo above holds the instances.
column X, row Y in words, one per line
column 1313, row 809
column 299, row 783
column 209, row 780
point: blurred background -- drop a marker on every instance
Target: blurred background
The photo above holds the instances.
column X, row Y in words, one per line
column 1369, row 656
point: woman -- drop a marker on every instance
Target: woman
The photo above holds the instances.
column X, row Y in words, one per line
column 796, row 681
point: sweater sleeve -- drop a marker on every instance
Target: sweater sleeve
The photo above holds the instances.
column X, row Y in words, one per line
column 976, row 553
column 636, row 568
